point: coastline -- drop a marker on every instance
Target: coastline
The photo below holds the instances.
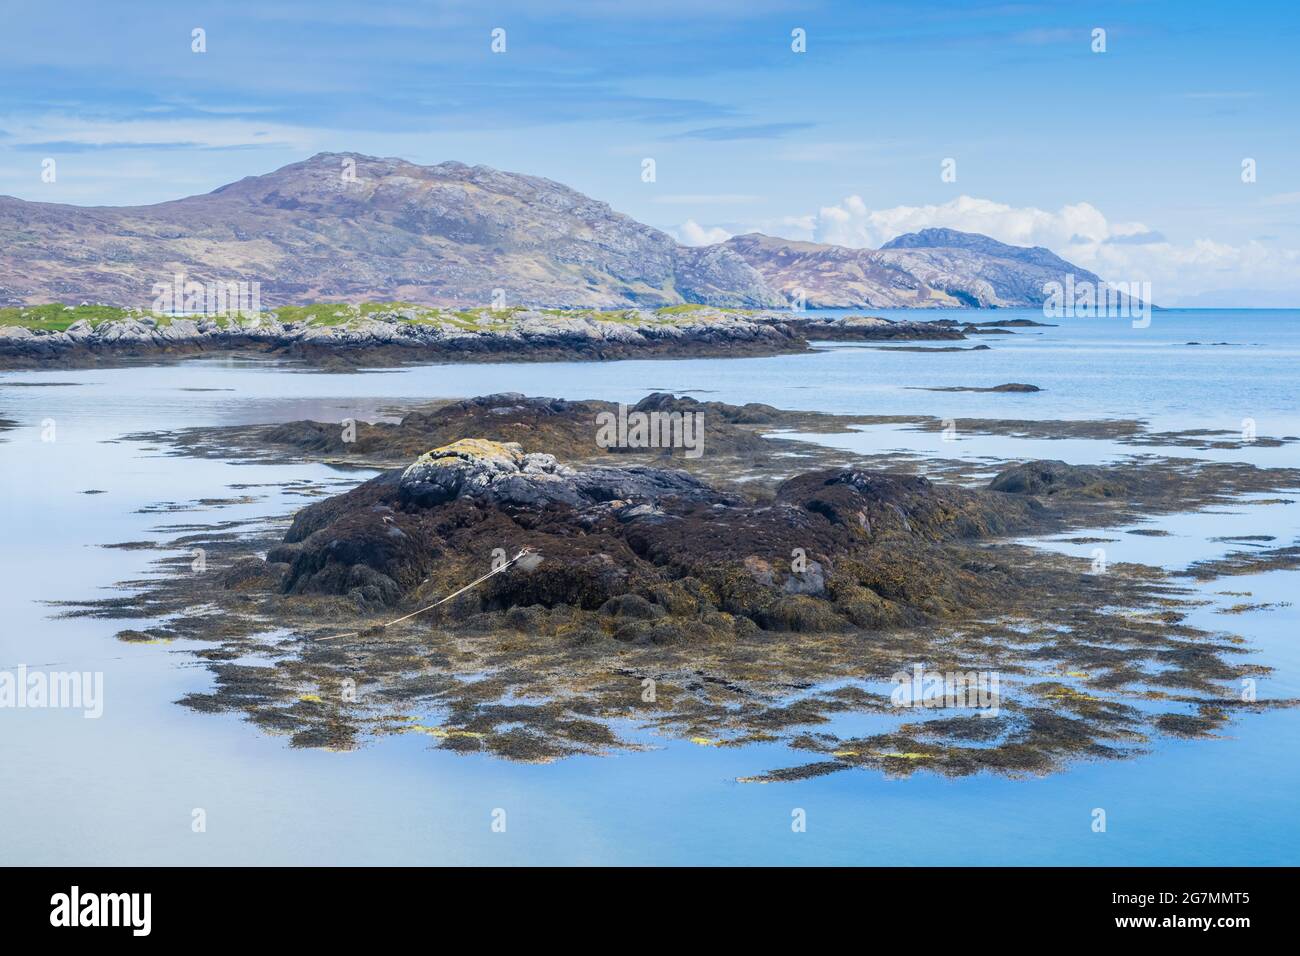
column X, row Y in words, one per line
column 380, row 336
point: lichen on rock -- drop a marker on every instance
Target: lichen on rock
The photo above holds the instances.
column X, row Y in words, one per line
column 486, row 470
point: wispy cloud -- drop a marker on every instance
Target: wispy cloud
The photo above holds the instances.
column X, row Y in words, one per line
column 1136, row 239
column 1045, row 37
column 707, row 199
column 752, row 131
column 830, row 152
column 1222, row 95
column 66, row 133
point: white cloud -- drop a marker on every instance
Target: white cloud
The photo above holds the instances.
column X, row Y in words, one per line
column 852, row 223
column 691, row 233
column 1079, row 232
column 1181, row 271
column 1082, row 234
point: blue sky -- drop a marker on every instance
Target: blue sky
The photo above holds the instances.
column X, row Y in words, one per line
column 1127, row 161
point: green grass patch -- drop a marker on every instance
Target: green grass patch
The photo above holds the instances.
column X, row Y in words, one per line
column 56, row 317
column 683, row 309
column 324, row 313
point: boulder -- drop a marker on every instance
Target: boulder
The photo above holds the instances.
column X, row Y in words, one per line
column 487, row 471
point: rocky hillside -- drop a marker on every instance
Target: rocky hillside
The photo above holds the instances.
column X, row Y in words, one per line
column 927, row 269
column 448, row 234
column 347, row 227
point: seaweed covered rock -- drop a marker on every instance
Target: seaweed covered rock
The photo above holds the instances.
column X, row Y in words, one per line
column 752, row 413
column 646, row 554
column 504, row 417
column 1046, row 478
column 565, row 428
column 911, row 505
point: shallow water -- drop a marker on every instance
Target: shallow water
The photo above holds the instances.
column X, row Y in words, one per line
column 122, row 788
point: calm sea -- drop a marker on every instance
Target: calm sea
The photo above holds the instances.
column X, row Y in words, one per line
column 121, row 789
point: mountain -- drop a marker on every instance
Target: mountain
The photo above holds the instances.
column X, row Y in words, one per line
column 930, row 268
column 967, row 264
column 448, row 234
column 343, row 226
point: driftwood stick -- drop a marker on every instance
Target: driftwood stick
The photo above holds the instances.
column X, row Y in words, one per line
column 406, row 617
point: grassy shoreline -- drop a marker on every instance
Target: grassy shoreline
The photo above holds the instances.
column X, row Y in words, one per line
column 385, row 334
column 58, row 317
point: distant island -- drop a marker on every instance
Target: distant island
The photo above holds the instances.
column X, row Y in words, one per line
column 343, row 227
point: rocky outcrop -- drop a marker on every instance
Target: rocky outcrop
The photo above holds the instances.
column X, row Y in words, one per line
column 501, row 475
column 865, row 328
column 489, row 472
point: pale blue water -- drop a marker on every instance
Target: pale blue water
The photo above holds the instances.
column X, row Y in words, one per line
column 121, row 789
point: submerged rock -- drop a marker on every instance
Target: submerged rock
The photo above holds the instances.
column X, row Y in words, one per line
column 1021, row 387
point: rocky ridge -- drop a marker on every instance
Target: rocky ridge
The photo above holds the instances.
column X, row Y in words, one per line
column 934, row 268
